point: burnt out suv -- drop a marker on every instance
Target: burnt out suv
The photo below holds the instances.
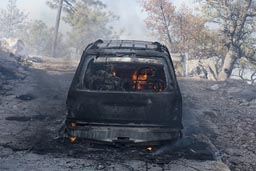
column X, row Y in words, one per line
column 124, row 91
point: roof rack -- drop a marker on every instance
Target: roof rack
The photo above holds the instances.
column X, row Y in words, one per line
column 95, row 44
column 127, row 44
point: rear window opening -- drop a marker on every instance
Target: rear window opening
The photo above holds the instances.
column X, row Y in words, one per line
column 124, row 74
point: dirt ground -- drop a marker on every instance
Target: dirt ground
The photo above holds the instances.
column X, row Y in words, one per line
column 226, row 115
column 219, row 121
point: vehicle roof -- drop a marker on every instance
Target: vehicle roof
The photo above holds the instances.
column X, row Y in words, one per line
column 127, row 45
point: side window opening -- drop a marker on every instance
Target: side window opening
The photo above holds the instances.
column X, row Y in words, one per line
column 124, row 76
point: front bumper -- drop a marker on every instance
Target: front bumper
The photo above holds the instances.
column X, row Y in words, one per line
column 123, row 133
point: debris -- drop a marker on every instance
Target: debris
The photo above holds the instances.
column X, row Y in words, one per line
column 35, row 59
column 100, row 167
column 189, row 148
column 210, row 113
column 15, row 46
column 248, row 94
column 18, row 118
column 5, row 151
column 218, row 155
column 233, row 90
column 25, row 97
column 10, row 70
column 27, row 118
column 215, row 87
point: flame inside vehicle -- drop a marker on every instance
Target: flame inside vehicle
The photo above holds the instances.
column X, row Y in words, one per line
column 118, row 75
column 143, row 80
column 72, row 139
column 73, row 124
column 149, row 148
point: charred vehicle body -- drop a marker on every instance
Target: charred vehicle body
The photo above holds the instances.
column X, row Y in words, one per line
column 124, row 91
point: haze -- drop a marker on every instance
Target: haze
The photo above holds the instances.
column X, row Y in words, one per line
column 130, row 13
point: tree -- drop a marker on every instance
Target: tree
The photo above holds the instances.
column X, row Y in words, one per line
column 236, row 22
column 38, row 39
column 160, row 18
column 36, row 36
column 88, row 19
column 181, row 30
column 246, row 70
column 67, row 5
column 191, row 35
column 12, row 20
column 89, row 22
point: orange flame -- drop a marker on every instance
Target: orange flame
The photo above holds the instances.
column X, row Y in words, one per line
column 73, row 124
column 139, row 80
column 72, row 139
column 149, row 148
column 143, row 77
column 134, row 76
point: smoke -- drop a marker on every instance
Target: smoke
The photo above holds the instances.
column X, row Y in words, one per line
column 131, row 19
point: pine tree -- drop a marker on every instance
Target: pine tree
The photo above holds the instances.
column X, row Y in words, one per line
column 12, row 20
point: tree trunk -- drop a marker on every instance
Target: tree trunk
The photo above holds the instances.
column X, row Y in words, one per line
column 56, row 30
column 228, row 65
column 166, row 25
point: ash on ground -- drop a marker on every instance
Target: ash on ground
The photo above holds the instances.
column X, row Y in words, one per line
column 219, row 120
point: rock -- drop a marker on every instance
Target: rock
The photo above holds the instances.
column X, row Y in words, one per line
column 244, row 103
column 248, row 94
column 35, row 59
column 202, row 68
column 25, row 97
column 215, row 87
column 5, row 152
column 210, row 113
column 14, row 46
column 251, row 134
column 10, row 68
column 218, row 155
column 234, row 152
column 100, row 167
column 253, row 103
column 233, row 90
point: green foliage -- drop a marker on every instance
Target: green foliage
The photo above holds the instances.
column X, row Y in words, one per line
column 68, row 5
column 88, row 19
column 38, row 39
column 36, row 36
column 235, row 21
column 12, row 20
column 89, row 22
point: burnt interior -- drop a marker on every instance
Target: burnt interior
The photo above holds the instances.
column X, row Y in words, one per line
column 125, row 76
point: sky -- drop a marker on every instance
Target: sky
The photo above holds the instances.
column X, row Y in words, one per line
column 130, row 12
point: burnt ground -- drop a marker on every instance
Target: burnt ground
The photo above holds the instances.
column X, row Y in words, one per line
column 219, row 125
column 226, row 115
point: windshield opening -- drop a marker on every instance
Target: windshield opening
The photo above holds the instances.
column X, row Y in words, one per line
column 125, row 74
